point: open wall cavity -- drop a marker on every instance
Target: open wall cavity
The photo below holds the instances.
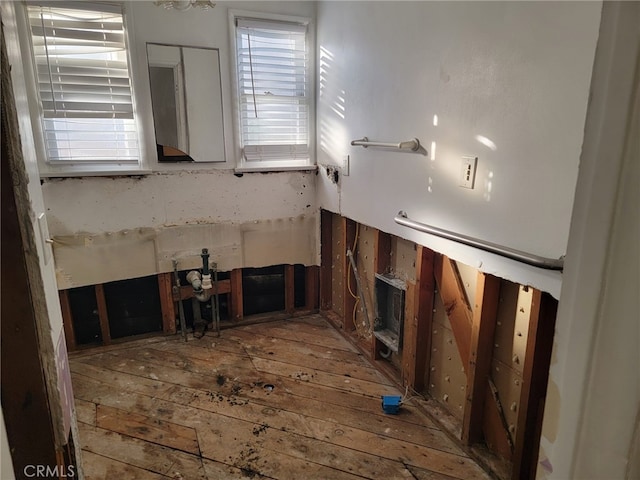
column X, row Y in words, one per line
column 102, row 313
column 475, row 347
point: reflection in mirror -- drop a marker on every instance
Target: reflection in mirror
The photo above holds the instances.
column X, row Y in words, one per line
column 186, row 99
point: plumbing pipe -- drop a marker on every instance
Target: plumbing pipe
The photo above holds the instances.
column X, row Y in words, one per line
column 206, row 275
column 205, row 261
column 199, row 325
column 195, row 279
column 386, row 354
column 360, row 292
column 215, row 300
column 183, row 322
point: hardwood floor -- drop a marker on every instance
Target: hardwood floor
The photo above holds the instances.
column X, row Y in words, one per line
column 287, row 400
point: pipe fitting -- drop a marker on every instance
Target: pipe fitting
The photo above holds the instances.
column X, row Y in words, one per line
column 205, row 261
column 386, row 354
column 195, row 279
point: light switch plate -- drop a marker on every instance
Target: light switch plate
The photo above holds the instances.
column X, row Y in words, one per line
column 468, row 172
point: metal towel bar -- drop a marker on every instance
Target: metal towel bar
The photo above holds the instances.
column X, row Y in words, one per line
column 524, row 257
column 413, row 145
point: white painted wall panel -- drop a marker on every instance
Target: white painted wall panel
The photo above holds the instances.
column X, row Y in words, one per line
column 182, row 208
column 517, row 73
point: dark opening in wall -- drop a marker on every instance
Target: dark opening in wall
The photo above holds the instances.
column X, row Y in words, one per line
column 133, row 306
column 299, row 286
column 86, row 322
column 263, row 289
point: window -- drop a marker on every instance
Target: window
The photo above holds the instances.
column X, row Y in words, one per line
column 84, row 86
column 274, row 93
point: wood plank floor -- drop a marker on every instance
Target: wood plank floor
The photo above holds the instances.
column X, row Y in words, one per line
column 286, row 400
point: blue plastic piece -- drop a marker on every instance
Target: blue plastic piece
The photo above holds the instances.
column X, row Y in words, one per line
column 391, row 404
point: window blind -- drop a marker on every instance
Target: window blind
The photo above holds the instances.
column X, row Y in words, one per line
column 273, row 90
column 84, row 85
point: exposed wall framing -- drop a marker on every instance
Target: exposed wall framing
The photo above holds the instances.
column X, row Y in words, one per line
column 419, row 321
column 477, row 345
column 348, row 240
column 167, row 302
column 382, row 265
column 301, row 293
column 445, row 375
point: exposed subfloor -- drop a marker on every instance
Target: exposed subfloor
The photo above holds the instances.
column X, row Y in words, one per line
column 287, row 399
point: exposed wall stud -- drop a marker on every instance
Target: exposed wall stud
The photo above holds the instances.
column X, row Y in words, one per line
column 417, row 338
column 338, row 277
column 311, row 287
column 482, row 331
column 455, row 304
column 165, row 286
column 236, row 294
column 542, row 320
column 289, row 289
column 326, row 259
column 102, row 314
column 348, row 238
column 67, row 320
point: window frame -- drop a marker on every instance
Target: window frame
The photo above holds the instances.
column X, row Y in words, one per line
column 242, row 165
column 46, row 167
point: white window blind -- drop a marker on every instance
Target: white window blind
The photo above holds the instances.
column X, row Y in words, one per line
column 273, row 87
column 84, row 85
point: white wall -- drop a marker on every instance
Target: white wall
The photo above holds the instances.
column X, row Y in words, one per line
column 517, row 73
column 108, row 229
column 253, row 221
column 593, row 400
column 604, row 446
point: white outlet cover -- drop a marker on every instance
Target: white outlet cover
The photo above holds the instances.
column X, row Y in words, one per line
column 468, row 167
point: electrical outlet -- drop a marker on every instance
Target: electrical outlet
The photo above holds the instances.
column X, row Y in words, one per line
column 468, row 172
column 345, row 168
column 333, row 173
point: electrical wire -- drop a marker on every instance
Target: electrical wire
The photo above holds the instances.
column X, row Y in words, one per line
column 366, row 333
column 353, row 251
column 415, row 394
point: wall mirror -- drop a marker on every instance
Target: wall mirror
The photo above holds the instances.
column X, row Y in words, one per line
column 186, row 98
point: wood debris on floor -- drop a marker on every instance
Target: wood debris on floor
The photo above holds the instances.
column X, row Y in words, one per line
column 283, row 400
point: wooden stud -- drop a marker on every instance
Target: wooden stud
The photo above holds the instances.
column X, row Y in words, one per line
column 418, row 325
column 167, row 305
column 236, row 294
column 289, row 289
column 495, row 432
column 485, row 312
column 186, row 291
column 382, row 252
column 102, row 314
column 455, row 304
column 311, row 287
column 410, row 325
column 542, row 320
column 381, row 264
column 67, row 320
column 326, row 259
column 348, row 231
